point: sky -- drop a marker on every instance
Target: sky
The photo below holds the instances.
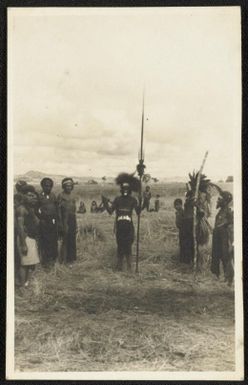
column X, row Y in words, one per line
column 75, row 84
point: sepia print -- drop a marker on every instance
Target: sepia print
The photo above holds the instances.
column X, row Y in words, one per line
column 124, row 194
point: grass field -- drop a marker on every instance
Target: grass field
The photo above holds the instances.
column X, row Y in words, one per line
column 91, row 318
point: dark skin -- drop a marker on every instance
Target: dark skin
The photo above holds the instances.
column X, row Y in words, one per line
column 221, row 203
column 30, row 201
column 178, row 206
column 123, row 206
column 125, row 191
column 105, row 202
column 47, row 186
column 68, row 188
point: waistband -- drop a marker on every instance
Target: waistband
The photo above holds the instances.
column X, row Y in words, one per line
column 124, row 218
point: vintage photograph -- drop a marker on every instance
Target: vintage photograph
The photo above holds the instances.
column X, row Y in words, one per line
column 124, row 194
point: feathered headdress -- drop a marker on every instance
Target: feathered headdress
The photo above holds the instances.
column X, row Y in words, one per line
column 226, row 195
column 133, row 182
column 204, row 182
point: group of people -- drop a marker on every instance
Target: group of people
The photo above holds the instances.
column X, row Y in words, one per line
column 147, row 195
column 94, row 208
column 222, row 233
column 45, row 225
column 42, row 223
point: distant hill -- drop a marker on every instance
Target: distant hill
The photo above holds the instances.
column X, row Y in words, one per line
column 35, row 177
column 35, row 174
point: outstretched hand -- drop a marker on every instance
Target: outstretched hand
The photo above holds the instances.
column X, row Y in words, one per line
column 105, row 200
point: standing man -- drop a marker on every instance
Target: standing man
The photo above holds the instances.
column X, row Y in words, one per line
column 123, row 206
column 146, row 198
column 178, row 205
column 48, row 215
column 201, row 202
column 67, row 213
column 222, row 248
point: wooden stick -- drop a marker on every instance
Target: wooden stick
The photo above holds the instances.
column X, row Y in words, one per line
column 141, row 161
column 195, row 256
column 138, row 231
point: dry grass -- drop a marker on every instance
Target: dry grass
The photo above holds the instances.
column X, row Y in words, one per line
column 93, row 318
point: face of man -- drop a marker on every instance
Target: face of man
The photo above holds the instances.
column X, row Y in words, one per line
column 47, row 186
column 125, row 189
column 31, row 199
column 220, row 203
column 178, row 206
column 68, row 187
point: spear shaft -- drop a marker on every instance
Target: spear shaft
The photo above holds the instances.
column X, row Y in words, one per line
column 142, row 131
column 141, row 161
column 195, row 256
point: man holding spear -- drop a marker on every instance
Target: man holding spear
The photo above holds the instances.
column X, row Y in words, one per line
column 124, row 206
column 201, row 215
column 196, row 228
column 140, row 169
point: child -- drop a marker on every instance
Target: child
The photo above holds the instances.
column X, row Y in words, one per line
column 146, row 198
column 178, row 205
column 82, row 208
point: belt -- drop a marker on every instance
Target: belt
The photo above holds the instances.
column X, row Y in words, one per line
column 124, row 218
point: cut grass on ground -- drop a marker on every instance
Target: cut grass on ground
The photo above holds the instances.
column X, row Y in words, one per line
column 92, row 318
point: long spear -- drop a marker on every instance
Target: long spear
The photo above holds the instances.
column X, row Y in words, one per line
column 140, row 169
column 195, row 256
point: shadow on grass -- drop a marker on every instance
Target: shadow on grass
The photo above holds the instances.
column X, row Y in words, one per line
column 161, row 301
